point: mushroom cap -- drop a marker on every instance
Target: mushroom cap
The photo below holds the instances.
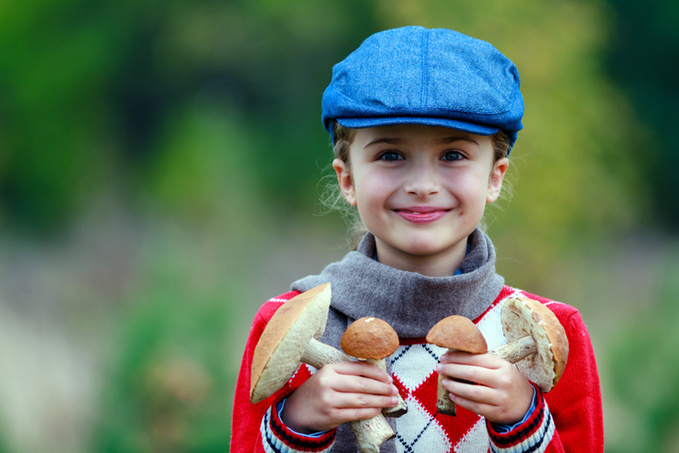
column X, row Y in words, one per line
column 369, row 338
column 286, row 335
column 459, row 333
column 522, row 316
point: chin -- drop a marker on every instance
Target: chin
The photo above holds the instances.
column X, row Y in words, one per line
column 423, row 249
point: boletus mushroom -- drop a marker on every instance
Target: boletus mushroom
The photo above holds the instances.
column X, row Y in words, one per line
column 373, row 340
column 537, row 343
column 455, row 333
column 290, row 337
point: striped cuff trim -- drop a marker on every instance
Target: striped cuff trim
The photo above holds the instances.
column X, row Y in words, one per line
column 531, row 436
column 277, row 438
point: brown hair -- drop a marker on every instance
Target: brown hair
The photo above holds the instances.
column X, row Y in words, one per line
column 342, row 141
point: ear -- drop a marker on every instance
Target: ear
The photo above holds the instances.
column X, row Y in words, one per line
column 497, row 175
column 346, row 182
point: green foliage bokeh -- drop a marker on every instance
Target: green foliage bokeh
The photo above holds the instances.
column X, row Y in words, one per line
column 170, row 383
column 644, row 361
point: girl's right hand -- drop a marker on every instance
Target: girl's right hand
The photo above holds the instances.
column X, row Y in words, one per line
column 339, row 393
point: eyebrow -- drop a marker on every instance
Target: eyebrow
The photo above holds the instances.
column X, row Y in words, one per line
column 457, row 138
column 442, row 141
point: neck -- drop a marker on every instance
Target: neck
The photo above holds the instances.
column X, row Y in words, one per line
column 442, row 264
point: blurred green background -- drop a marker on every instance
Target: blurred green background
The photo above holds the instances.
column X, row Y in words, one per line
column 160, row 166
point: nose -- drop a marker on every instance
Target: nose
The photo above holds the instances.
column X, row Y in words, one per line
column 423, row 180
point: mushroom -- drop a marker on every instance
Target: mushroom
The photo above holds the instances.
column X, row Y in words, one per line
column 372, row 340
column 537, row 342
column 456, row 333
column 290, row 337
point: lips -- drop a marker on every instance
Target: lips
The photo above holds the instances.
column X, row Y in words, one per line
column 421, row 214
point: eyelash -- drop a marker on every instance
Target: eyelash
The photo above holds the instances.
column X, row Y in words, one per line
column 393, row 156
column 458, row 156
column 389, row 156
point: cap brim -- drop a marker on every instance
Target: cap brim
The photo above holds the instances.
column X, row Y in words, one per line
column 362, row 123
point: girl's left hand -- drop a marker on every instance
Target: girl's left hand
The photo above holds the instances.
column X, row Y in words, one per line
column 501, row 393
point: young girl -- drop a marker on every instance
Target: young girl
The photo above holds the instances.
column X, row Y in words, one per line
column 422, row 122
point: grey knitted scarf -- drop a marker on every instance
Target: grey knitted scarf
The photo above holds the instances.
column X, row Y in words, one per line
column 410, row 302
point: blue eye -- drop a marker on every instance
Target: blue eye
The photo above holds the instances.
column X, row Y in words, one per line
column 390, row 156
column 452, row 156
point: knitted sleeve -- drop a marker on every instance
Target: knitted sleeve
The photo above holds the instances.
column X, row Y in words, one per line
column 256, row 428
column 533, row 434
column 570, row 417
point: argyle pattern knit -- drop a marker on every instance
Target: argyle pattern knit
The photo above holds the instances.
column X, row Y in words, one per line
column 569, row 418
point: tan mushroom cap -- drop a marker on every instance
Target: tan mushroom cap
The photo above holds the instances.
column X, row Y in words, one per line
column 459, row 333
column 522, row 316
column 369, row 338
column 286, row 335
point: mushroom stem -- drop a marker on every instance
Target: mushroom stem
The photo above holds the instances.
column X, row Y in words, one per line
column 444, row 404
column 517, row 350
column 371, row 433
column 319, row 354
column 536, row 341
column 400, row 408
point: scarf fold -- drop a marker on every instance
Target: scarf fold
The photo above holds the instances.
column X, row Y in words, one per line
column 410, row 302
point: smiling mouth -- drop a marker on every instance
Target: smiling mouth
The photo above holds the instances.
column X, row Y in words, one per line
column 422, row 215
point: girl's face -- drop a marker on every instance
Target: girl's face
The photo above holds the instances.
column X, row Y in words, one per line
column 421, row 191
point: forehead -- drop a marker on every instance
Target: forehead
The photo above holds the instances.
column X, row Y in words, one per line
column 415, row 133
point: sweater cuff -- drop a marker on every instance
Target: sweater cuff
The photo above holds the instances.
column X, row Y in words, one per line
column 532, row 434
column 278, row 438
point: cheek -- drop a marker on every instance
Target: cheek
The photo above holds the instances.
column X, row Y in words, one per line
column 469, row 189
column 372, row 188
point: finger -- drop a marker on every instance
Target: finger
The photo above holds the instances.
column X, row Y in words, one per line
column 363, row 401
column 477, row 407
column 352, row 413
column 365, row 369
column 468, row 391
column 502, row 396
column 467, row 374
column 476, row 398
column 464, row 358
column 356, row 392
column 507, row 412
column 354, row 384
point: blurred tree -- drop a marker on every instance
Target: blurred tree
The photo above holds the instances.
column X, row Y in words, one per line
column 169, row 386
column 643, row 58
column 89, row 89
column 55, row 59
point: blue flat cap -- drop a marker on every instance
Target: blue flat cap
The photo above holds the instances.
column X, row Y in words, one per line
column 435, row 77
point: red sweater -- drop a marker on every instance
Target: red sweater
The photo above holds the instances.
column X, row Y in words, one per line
column 569, row 418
